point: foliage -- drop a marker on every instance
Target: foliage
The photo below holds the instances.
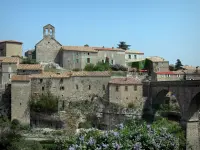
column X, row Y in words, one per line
column 89, row 67
column 46, row 103
column 102, row 66
column 118, row 67
column 123, row 45
column 28, row 61
column 11, row 139
column 139, row 64
column 178, row 64
column 134, row 134
column 86, row 45
column 131, row 105
column 76, row 69
column 171, row 67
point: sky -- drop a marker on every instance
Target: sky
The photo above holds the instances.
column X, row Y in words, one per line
column 165, row 28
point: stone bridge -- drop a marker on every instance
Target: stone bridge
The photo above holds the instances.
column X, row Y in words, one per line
column 187, row 94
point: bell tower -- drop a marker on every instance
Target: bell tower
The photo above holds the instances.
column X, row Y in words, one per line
column 49, row 31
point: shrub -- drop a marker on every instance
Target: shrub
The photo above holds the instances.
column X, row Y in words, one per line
column 118, row 67
column 131, row 105
column 162, row 134
column 46, row 103
column 28, row 61
column 76, row 69
column 89, row 67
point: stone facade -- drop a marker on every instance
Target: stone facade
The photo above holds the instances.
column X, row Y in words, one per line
column 125, row 91
column 47, row 50
column 76, row 57
column 10, row 48
column 167, row 76
column 21, row 90
column 133, row 56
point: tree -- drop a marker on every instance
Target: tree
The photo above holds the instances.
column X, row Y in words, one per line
column 123, row 45
column 178, row 64
column 86, row 45
column 171, row 67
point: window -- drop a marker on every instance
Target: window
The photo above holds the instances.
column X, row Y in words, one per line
column 76, row 86
column 88, row 53
column 89, row 87
column 62, row 88
column 9, row 76
column 112, row 61
column 88, row 60
column 43, row 88
column 77, row 53
column 135, row 87
column 76, row 60
column 117, row 88
column 168, row 75
column 61, row 81
column 102, row 61
column 63, row 105
column 129, row 56
column 126, row 88
column 135, row 56
column 41, row 80
column 104, row 87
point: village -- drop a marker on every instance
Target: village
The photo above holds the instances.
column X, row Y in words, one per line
column 87, row 76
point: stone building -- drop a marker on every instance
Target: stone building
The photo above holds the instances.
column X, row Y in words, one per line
column 75, row 86
column 167, row 76
column 29, row 54
column 47, row 50
column 125, row 91
column 113, row 55
column 10, row 48
column 156, row 64
column 27, row 69
column 8, row 67
column 133, row 56
column 77, row 57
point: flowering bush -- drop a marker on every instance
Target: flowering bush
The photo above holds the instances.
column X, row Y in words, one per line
column 134, row 135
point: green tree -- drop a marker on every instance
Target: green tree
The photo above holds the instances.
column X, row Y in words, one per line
column 171, row 67
column 28, row 61
column 123, row 45
column 86, row 45
column 178, row 64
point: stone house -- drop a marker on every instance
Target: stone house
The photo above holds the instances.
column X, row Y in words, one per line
column 47, row 50
column 125, row 91
column 77, row 57
column 8, row 67
column 27, row 69
column 167, row 76
column 10, row 48
column 69, row 86
column 156, row 64
column 133, row 56
column 113, row 55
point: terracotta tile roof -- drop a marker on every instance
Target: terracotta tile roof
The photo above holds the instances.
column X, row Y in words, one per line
column 125, row 81
column 92, row 73
column 133, row 52
column 10, row 59
column 20, row 78
column 29, row 67
column 78, row 48
column 10, row 41
column 156, row 59
column 107, row 49
column 170, row 72
column 51, row 75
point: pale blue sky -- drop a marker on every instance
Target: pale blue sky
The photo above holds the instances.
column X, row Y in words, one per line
column 167, row 28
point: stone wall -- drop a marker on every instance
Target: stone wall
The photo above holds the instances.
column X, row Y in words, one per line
column 19, row 101
column 28, row 72
column 47, row 50
column 76, row 59
column 8, row 69
column 117, row 57
column 126, row 94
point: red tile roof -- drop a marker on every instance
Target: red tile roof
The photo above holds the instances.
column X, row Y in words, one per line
column 170, row 72
column 78, row 48
column 108, row 49
column 20, row 78
column 125, row 81
column 10, row 59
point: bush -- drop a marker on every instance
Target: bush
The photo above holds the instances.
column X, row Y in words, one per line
column 162, row 134
column 46, row 103
column 76, row 69
column 89, row 67
column 118, row 67
column 28, row 61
